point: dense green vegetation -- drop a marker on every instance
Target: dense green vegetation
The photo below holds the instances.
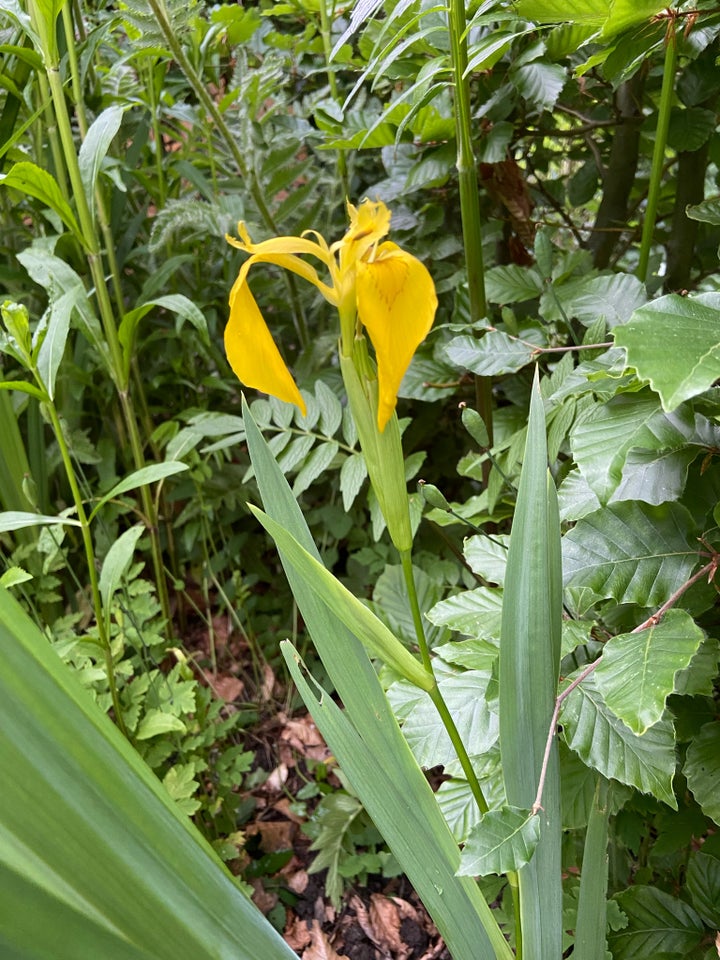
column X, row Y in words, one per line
column 559, row 179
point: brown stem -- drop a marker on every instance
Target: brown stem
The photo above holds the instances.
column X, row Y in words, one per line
column 709, row 569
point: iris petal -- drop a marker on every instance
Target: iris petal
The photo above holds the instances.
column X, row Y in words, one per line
column 396, row 304
column 251, row 350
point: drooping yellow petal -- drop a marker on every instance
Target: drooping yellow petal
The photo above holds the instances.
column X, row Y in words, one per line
column 251, row 350
column 396, row 304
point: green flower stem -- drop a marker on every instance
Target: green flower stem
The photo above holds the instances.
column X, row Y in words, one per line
column 658, row 159
column 107, row 316
column 435, row 694
column 469, row 194
column 325, row 30
column 218, row 122
column 91, row 564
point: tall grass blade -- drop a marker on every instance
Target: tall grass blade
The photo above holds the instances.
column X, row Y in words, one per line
column 528, row 678
column 430, row 859
column 96, row 860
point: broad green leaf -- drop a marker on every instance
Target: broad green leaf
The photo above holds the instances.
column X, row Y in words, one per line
column 604, row 743
column 95, row 146
column 91, row 842
column 707, row 212
column 494, row 353
column 503, row 840
column 576, row 499
column 629, row 13
column 637, row 671
column 702, row 769
column 703, row 885
column 613, row 297
column 631, row 552
column 512, row 284
column 391, row 602
column 530, row 643
column 604, row 435
column 177, row 303
column 458, row 806
column 456, row 905
column 577, row 784
column 139, row 478
column 330, row 409
column 116, row 563
column 674, row 343
column 28, row 178
column 476, row 613
column 555, row 11
column 487, row 556
column 17, row 519
column 658, row 925
column 690, row 128
column 698, row 678
column 465, row 696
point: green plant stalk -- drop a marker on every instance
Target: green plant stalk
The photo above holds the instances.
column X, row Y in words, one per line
column 91, row 561
column 435, row 694
column 469, row 195
column 52, row 132
column 325, row 30
column 149, row 71
column 591, row 924
column 528, row 677
column 94, row 259
column 658, row 159
column 200, row 91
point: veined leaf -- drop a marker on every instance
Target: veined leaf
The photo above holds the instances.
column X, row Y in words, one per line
column 494, row 353
column 674, row 343
column 637, row 671
column 602, row 438
column 476, row 613
column 116, row 563
column 607, row 745
column 631, row 552
column 502, row 841
column 555, row 11
column 658, row 925
column 540, row 83
column 613, row 297
column 17, row 519
column 703, row 885
column 702, row 769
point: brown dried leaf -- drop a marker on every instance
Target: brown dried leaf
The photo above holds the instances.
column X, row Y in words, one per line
column 320, row 948
column 226, row 687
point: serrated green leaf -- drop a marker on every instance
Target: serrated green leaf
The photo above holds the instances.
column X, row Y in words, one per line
column 658, row 924
column 156, row 722
column 698, row 678
column 28, row 178
column 13, row 576
column 604, row 743
column 295, row 452
column 702, row 769
column 631, row 552
column 592, row 12
column 576, row 499
column 540, row 83
column 706, row 212
column 690, row 128
column 502, row 841
column 636, row 673
column 352, row 476
column 494, row 353
column 330, row 409
column 316, row 464
column 674, row 343
column 459, row 807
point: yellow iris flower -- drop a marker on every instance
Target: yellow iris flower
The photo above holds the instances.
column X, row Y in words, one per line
column 373, row 283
